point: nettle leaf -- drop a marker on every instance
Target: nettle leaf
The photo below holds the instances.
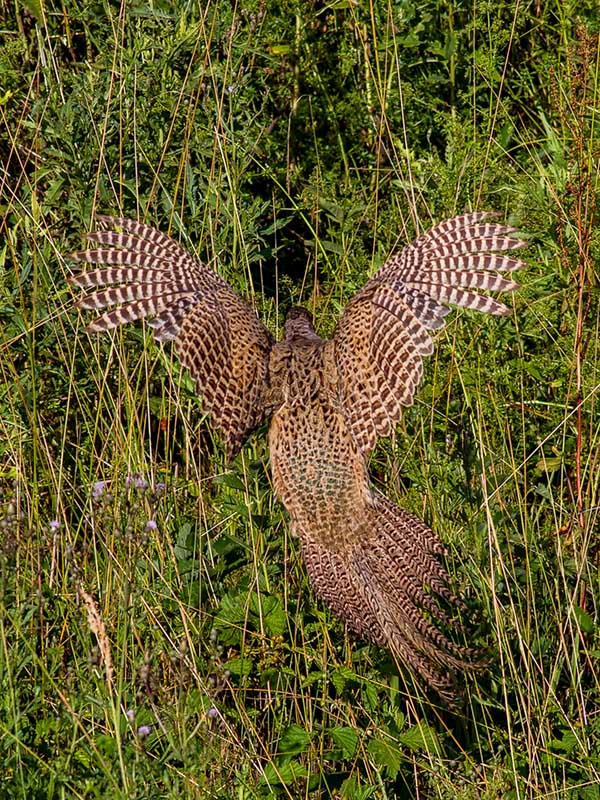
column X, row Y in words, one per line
column 284, row 773
column 275, row 618
column 346, row 739
column 239, row 665
column 270, row 610
column 232, row 609
column 386, row 754
column 569, row 742
column 341, row 676
column 421, row 737
column 313, row 677
column 370, row 696
column 293, row 742
column 352, row 790
column 590, row 792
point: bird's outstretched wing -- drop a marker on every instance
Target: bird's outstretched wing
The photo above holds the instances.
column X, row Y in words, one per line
column 383, row 334
column 218, row 336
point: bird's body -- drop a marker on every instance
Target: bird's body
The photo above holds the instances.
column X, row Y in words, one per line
column 349, row 532
column 317, row 470
column 374, row 564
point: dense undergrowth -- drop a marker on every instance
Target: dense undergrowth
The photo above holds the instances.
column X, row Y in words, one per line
column 158, row 635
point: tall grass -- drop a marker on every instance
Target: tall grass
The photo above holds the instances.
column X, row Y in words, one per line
column 158, row 634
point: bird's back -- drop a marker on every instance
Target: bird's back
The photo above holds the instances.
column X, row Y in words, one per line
column 317, row 469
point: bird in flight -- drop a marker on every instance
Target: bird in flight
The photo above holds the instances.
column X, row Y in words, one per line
column 328, row 401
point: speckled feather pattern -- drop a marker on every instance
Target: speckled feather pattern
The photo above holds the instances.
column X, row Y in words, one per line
column 217, row 334
column 383, row 333
column 376, row 566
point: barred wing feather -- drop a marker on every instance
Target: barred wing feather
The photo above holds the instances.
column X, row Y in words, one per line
column 384, row 332
column 217, row 334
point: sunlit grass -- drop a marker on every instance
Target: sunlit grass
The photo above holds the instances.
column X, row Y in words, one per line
column 158, row 634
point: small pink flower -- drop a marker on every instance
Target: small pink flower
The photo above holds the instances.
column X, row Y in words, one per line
column 98, row 489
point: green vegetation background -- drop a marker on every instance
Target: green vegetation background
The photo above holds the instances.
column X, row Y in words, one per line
column 158, row 635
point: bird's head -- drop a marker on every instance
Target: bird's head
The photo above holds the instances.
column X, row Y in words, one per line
column 298, row 326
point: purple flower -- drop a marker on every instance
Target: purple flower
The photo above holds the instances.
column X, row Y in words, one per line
column 130, row 714
column 54, row 525
column 160, row 487
column 144, row 730
column 212, row 712
column 98, row 489
column 137, row 481
column 151, row 525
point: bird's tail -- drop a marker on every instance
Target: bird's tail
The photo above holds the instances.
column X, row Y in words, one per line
column 391, row 588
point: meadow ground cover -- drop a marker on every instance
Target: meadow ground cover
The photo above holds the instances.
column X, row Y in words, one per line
column 158, row 635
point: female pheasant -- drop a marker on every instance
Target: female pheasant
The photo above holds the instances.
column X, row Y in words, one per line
column 373, row 563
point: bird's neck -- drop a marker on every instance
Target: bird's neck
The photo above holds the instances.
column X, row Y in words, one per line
column 299, row 331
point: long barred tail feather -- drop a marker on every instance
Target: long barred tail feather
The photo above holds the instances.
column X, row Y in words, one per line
column 391, row 588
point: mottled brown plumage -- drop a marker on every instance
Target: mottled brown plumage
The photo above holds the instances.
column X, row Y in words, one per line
column 373, row 563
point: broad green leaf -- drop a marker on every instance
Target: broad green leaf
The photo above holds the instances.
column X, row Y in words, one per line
column 386, row 754
column 420, row 737
column 284, row 773
column 293, row 742
column 584, row 620
column 231, row 480
column 239, row 665
column 346, row 739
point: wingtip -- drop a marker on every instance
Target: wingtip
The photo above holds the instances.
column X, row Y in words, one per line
column 95, row 327
column 76, row 255
column 502, row 310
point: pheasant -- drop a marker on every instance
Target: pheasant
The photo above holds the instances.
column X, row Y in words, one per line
column 374, row 564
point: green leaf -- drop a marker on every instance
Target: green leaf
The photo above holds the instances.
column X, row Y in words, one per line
column 35, row 9
column 312, row 677
column 550, row 464
column 276, row 225
column 280, row 49
column 231, row 480
column 352, row 790
column 386, row 754
column 276, row 618
column 185, row 539
column 346, row 739
column 232, row 609
column 293, row 742
column 338, row 680
column 566, row 744
column 239, row 665
column 590, row 792
column 332, row 247
column 421, row 737
column 584, row 620
column 370, row 696
column 284, row 773
column 268, row 608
